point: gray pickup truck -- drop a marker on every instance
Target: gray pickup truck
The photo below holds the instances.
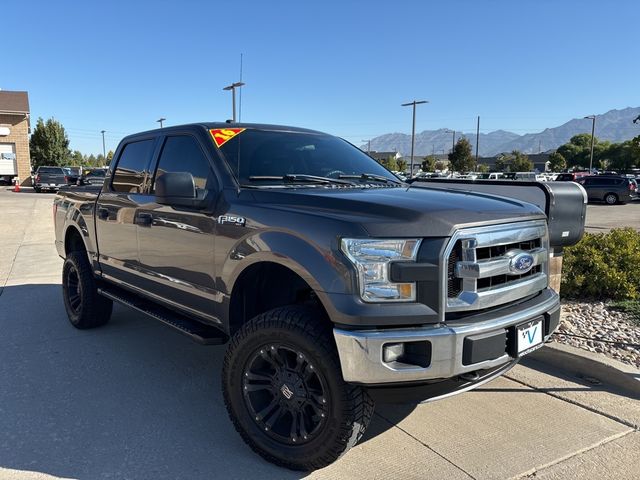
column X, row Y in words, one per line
column 333, row 283
column 50, row 178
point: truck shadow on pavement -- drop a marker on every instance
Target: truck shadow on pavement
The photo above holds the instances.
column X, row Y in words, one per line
column 132, row 399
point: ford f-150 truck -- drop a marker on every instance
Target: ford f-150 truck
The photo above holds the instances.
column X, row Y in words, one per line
column 333, row 283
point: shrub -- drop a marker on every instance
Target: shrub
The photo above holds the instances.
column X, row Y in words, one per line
column 603, row 266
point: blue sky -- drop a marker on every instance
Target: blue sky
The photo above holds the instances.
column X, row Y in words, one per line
column 341, row 67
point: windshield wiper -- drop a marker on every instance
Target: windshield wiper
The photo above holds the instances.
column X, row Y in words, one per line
column 370, row 176
column 298, row 177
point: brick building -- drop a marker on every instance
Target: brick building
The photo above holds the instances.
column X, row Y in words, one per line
column 15, row 127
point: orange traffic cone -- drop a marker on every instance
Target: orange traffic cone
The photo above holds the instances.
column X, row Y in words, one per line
column 16, row 186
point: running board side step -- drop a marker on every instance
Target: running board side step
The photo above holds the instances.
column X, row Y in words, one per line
column 197, row 331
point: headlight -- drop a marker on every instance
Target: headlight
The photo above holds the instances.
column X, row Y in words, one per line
column 372, row 258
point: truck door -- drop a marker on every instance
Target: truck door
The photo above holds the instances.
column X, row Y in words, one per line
column 176, row 244
column 116, row 212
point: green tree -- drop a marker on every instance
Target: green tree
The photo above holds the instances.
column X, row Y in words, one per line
column 483, row 168
column 460, row 159
column 557, row 163
column 402, row 164
column 501, row 162
column 109, row 156
column 623, row 156
column 520, row 162
column 389, row 163
column 49, row 143
column 440, row 165
column 429, row 163
column 76, row 159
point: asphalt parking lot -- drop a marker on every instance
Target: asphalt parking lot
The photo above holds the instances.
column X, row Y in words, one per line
column 602, row 217
column 136, row 400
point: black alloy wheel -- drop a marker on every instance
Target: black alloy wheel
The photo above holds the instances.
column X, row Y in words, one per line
column 285, row 394
column 73, row 292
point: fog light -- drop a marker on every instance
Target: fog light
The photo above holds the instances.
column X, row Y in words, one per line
column 392, row 352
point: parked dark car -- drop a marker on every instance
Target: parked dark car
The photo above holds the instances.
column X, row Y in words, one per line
column 611, row 189
column 93, row 177
column 73, row 174
column 571, row 176
column 50, row 178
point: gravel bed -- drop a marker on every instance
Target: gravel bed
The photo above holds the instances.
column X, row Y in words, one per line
column 598, row 321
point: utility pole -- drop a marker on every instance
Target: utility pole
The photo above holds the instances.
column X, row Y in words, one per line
column 453, row 142
column 593, row 131
column 160, row 120
column 104, row 154
column 368, row 145
column 477, row 140
column 413, row 128
column 233, row 87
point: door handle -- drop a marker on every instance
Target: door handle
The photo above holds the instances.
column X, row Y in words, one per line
column 103, row 213
column 144, row 219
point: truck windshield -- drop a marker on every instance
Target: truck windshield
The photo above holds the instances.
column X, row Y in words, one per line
column 284, row 157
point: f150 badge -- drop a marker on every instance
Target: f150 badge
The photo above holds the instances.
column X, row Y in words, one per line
column 231, row 220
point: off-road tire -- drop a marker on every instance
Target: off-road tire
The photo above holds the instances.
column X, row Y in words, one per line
column 349, row 407
column 611, row 199
column 85, row 307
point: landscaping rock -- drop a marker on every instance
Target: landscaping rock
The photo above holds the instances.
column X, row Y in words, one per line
column 601, row 324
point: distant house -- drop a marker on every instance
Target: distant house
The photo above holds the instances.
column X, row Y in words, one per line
column 15, row 127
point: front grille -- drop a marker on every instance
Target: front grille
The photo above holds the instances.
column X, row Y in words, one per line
column 454, row 285
column 490, row 266
column 499, row 250
column 497, row 280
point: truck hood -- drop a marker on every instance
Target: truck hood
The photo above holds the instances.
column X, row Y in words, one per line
column 400, row 211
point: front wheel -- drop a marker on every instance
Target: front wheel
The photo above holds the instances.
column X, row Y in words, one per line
column 283, row 389
column 611, row 198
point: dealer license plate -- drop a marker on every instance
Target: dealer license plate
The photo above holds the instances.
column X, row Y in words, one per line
column 529, row 336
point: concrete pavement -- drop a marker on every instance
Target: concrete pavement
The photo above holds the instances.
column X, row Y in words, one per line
column 136, row 400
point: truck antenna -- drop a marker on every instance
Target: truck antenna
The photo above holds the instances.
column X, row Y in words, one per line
column 240, row 100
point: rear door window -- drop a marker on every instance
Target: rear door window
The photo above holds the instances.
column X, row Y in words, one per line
column 130, row 169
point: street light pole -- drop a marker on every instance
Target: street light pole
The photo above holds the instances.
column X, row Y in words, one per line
column 233, row 87
column 413, row 128
column 593, row 131
column 477, row 140
column 160, row 120
column 104, row 154
column 368, row 145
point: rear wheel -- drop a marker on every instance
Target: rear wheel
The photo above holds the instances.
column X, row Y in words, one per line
column 37, row 189
column 284, row 391
column 611, row 199
column 85, row 307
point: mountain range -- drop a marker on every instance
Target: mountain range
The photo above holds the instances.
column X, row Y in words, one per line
column 615, row 126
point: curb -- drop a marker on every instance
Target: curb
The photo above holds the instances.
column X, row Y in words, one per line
column 590, row 365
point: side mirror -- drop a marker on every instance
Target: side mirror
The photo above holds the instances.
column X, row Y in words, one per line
column 178, row 189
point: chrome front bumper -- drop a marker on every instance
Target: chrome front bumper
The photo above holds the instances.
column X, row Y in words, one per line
column 361, row 351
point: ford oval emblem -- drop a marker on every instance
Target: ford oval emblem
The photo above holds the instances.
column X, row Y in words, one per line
column 521, row 263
